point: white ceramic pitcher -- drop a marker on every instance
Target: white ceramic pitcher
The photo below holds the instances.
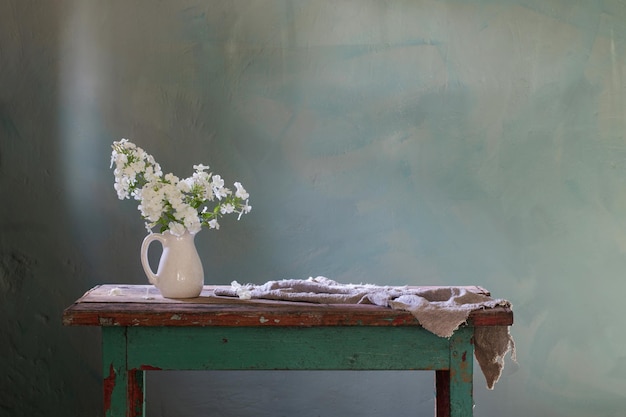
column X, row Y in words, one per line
column 180, row 273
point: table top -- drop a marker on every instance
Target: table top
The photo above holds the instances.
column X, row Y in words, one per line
column 142, row 305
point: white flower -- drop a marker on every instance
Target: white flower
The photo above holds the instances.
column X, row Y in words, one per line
column 185, row 185
column 168, row 202
column 176, row 229
column 227, row 208
column 217, row 184
column 217, row 181
column 245, row 209
column 200, row 167
column 241, row 192
column 122, row 186
column 193, row 224
column 207, row 193
column 171, row 178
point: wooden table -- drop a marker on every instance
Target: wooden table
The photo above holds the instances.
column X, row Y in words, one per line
column 142, row 331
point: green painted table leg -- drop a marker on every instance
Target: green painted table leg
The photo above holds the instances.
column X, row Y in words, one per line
column 115, row 380
column 123, row 389
column 461, row 373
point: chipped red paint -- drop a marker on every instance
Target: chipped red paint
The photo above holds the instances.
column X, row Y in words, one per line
column 108, row 387
column 134, row 396
column 150, row 368
column 402, row 320
column 466, row 373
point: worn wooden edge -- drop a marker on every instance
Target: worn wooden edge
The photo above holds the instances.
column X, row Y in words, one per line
column 301, row 315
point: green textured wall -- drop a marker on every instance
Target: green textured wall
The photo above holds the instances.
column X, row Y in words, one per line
column 398, row 142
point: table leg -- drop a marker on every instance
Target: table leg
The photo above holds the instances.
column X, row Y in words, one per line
column 123, row 389
column 442, row 393
column 461, row 373
column 115, row 381
column 136, row 394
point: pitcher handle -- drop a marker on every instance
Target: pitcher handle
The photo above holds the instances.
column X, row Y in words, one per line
column 152, row 277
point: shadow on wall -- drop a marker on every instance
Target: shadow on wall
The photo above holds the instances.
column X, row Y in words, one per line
column 306, row 394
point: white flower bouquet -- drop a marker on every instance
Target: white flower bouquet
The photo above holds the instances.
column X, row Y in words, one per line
column 166, row 201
